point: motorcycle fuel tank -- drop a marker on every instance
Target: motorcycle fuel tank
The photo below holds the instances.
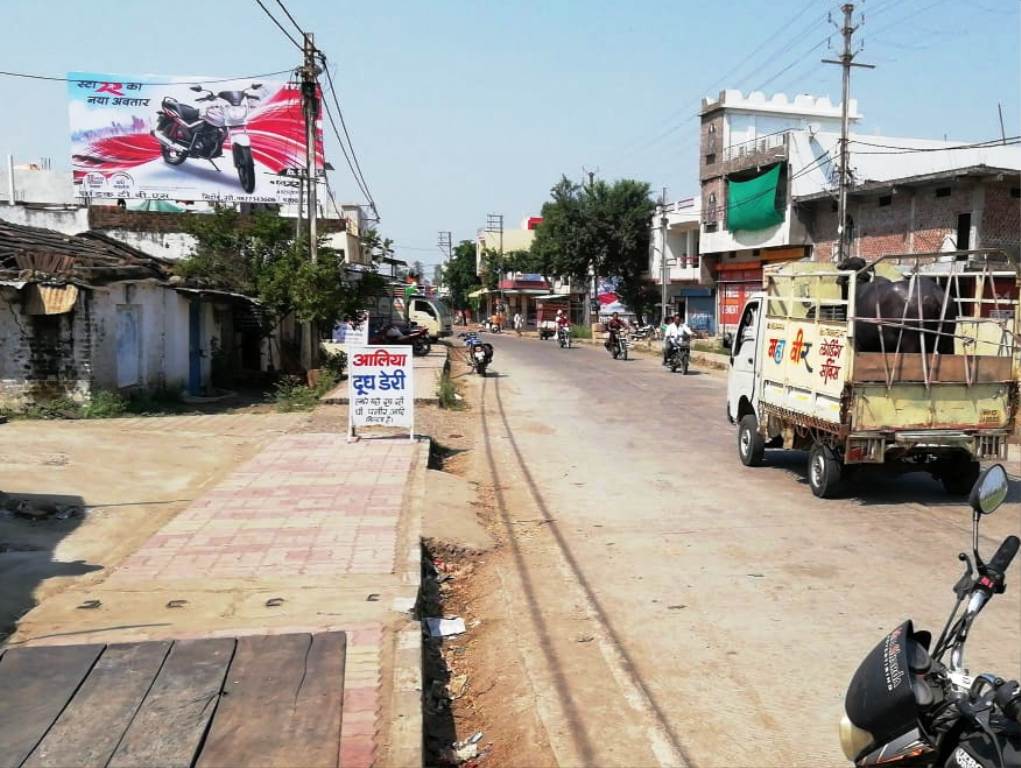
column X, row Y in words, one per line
column 881, row 699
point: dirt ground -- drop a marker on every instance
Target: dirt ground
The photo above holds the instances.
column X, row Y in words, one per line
column 117, row 481
column 475, row 682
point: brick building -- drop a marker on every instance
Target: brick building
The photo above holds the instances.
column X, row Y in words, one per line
column 959, row 206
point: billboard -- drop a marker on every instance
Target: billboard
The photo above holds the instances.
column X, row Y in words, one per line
column 177, row 138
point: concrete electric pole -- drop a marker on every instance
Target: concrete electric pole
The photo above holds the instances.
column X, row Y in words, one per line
column 310, row 109
column 494, row 224
column 664, row 269
column 846, row 61
column 310, row 103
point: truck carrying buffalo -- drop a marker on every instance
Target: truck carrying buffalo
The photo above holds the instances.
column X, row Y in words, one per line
column 911, row 362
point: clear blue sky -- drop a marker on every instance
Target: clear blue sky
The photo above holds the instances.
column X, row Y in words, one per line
column 459, row 108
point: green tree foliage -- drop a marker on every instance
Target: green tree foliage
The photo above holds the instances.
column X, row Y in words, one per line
column 601, row 228
column 258, row 255
column 459, row 274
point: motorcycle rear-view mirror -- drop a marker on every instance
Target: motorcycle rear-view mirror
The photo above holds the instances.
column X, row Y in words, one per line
column 990, row 490
column 256, row 86
column 197, row 88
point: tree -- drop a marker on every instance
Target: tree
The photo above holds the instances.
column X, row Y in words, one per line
column 257, row 255
column 459, row 274
column 600, row 229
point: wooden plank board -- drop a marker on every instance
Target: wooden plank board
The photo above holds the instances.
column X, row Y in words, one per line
column 90, row 728
column 282, row 705
column 169, row 726
column 35, row 685
column 948, row 369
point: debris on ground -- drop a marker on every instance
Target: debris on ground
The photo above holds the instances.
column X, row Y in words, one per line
column 445, row 627
column 38, row 510
column 462, row 751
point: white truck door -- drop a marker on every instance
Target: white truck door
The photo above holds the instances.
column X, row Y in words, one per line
column 741, row 381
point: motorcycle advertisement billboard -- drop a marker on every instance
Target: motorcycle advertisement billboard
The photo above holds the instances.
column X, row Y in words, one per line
column 194, row 139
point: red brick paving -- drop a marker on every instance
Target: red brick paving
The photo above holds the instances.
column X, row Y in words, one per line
column 308, row 504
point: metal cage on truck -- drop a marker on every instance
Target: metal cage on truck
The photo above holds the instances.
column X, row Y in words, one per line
column 941, row 408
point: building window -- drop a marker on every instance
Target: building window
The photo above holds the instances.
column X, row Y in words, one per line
column 943, row 192
column 885, row 200
column 963, row 231
column 1015, row 192
column 710, row 158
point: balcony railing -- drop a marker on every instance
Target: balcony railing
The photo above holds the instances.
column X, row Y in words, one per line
column 761, row 145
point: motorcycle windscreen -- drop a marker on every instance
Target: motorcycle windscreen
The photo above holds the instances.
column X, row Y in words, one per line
column 880, row 699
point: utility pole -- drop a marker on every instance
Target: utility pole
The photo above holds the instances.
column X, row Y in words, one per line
column 1003, row 132
column 846, row 61
column 310, row 109
column 664, row 268
column 445, row 244
column 310, row 102
column 594, row 286
column 494, row 224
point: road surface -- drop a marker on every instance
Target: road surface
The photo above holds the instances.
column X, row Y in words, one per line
column 672, row 607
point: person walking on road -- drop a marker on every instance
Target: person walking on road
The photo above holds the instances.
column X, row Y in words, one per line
column 519, row 323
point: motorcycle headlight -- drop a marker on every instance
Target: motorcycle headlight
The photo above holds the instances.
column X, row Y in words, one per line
column 852, row 738
column 237, row 114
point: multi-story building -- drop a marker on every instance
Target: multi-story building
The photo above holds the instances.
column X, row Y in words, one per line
column 746, row 170
column 674, row 236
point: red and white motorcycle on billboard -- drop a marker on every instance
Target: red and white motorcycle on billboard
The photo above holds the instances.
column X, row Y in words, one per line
column 183, row 131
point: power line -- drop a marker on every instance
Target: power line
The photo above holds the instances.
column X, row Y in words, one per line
column 280, row 26
column 30, row 76
column 722, row 79
column 895, row 150
column 289, row 16
column 354, row 156
column 347, row 158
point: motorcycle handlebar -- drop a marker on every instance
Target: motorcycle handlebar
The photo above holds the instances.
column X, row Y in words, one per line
column 1000, row 562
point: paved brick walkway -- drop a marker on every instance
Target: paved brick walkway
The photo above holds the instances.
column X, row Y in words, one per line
column 308, row 505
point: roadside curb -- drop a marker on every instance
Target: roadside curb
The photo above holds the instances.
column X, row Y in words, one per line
column 403, row 743
column 403, row 746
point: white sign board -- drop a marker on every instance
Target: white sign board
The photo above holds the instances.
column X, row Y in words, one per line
column 347, row 334
column 380, row 387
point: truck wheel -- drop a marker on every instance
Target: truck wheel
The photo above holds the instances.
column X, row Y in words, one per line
column 959, row 477
column 823, row 471
column 750, row 445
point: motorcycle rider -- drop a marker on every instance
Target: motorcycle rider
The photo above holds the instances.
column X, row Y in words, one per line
column 677, row 331
column 614, row 326
column 563, row 322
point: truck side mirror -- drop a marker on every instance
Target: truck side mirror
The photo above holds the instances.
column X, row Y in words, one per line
column 728, row 340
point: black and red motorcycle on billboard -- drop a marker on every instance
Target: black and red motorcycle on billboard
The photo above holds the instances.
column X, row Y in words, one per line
column 183, row 131
column 909, row 706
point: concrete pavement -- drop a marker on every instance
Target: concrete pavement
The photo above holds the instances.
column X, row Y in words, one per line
column 312, row 534
column 728, row 607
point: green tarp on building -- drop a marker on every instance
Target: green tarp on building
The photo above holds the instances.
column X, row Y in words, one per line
column 752, row 204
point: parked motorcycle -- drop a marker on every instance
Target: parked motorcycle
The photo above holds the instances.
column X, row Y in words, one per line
column 414, row 336
column 480, row 354
column 564, row 336
column 906, row 706
column 184, row 132
column 678, row 354
column 617, row 345
column 643, row 332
